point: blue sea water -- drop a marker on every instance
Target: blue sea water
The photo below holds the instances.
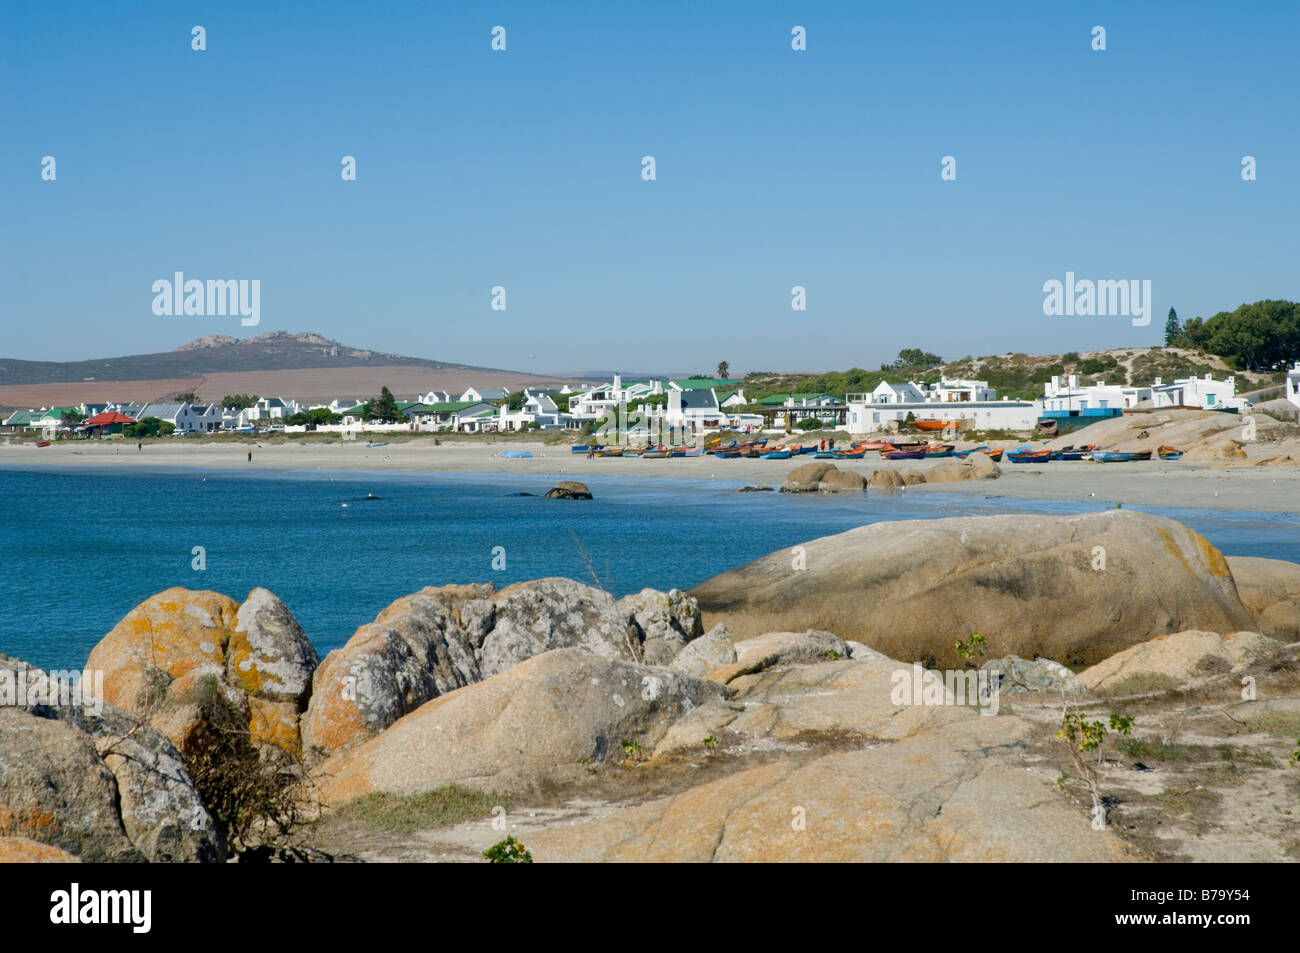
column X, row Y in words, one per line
column 80, row 548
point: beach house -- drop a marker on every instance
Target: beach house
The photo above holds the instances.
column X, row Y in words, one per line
column 1204, row 392
column 1066, row 394
column 490, row 395
column 1293, row 384
column 694, row 410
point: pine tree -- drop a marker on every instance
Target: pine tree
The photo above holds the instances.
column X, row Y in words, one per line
column 1172, row 328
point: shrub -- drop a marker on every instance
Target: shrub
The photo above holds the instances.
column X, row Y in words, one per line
column 508, row 851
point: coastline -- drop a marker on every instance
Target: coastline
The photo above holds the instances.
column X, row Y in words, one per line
column 1172, row 484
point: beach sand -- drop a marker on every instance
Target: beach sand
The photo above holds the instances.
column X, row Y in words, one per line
column 1173, row 484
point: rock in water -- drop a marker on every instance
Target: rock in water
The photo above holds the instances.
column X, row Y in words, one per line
column 1071, row 588
column 823, row 478
column 569, row 490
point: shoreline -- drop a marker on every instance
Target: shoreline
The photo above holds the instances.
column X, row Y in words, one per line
column 1171, row 485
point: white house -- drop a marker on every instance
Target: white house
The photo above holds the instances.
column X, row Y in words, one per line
column 1067, row 395
column 437, row 397
column 694, row 410
column 866, row 416
column 1293, row 384
column 956, row 390
column 887, row 393
column 1204, row 392
column 484, row 394
column 186, row 418
column 538, row 408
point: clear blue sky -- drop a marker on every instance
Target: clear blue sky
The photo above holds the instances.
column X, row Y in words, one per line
column 775, row 168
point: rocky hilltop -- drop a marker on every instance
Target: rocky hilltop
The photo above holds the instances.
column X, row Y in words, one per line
column 787, row 710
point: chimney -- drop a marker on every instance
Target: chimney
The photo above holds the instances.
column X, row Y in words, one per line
column 1074, row 381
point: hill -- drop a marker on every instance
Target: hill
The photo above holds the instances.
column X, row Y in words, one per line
column 306, row 366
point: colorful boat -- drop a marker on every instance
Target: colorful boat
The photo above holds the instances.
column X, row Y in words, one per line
column 516, row 453
column 1029, row 456
column 963, row 454
column 824, row 455
column 726, row 454
column 610, row 452
column 938, row 450
column 776, row 455
column 917, row 454
column 1112, row 456
column 874, row 445
column 1167, row 452
column 930, row 425
column 582, row 448
column 848, row 454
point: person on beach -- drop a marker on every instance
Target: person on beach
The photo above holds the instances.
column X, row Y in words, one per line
column 250, row 456
column 139, row 446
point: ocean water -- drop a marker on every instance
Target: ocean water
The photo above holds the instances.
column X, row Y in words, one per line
column 80, row 548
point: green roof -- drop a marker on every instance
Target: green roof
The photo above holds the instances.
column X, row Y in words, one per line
column 771, row 399
column 704, row 383
column 19, row 418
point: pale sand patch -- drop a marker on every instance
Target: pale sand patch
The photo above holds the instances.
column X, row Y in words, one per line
column 1175, row 484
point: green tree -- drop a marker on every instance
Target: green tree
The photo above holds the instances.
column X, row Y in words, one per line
column 149, row 427
column 913, row 357
column 238, row 402
column 515, row 401
column 384, row 408
column 1173, row 328
column 189, row 397
column 723, row 367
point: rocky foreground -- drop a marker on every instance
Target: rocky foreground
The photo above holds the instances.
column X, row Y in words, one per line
column 773, row 713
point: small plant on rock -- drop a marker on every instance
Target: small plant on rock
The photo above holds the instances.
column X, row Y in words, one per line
column 710, row 743
column 1082, row 736
column 971, row 651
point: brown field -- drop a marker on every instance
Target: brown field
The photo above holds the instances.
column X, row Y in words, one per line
column 304, row 385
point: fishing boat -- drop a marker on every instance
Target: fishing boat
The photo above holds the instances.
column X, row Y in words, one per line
column 610, row 452
column 963, row 454
column 726, row 454
column 1072, row 454
column 811, row 448
column 824, row 455
column 1112, row 456
column 655, row 454
column 930, row 425
column 938, row 450
column 581, row 448
column 848, row 454
column 1167, row 452
column 874, row 445
column 1025, row 455
column 693, row 452
column 917, row 454
column 776, row 455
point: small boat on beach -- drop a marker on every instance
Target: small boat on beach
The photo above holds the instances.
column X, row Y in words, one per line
column 824, row 455
column 1025, row 455
column 1167, row 452
column 726, row 454
column 848, row 454
column 938, row 450
column 963, row 454
column 516, row 454
column 776, row 455
column 917, row 454
column 874, row 445
column 1112, row 456
column 930, row 425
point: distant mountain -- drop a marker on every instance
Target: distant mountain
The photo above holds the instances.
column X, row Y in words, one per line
column 213, row 354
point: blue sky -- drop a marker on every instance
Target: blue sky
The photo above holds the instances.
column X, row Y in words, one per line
column 775, row 168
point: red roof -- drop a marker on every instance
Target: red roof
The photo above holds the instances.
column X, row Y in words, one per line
column 108, row 417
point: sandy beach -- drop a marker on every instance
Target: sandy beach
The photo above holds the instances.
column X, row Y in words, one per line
column 1174, row 484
